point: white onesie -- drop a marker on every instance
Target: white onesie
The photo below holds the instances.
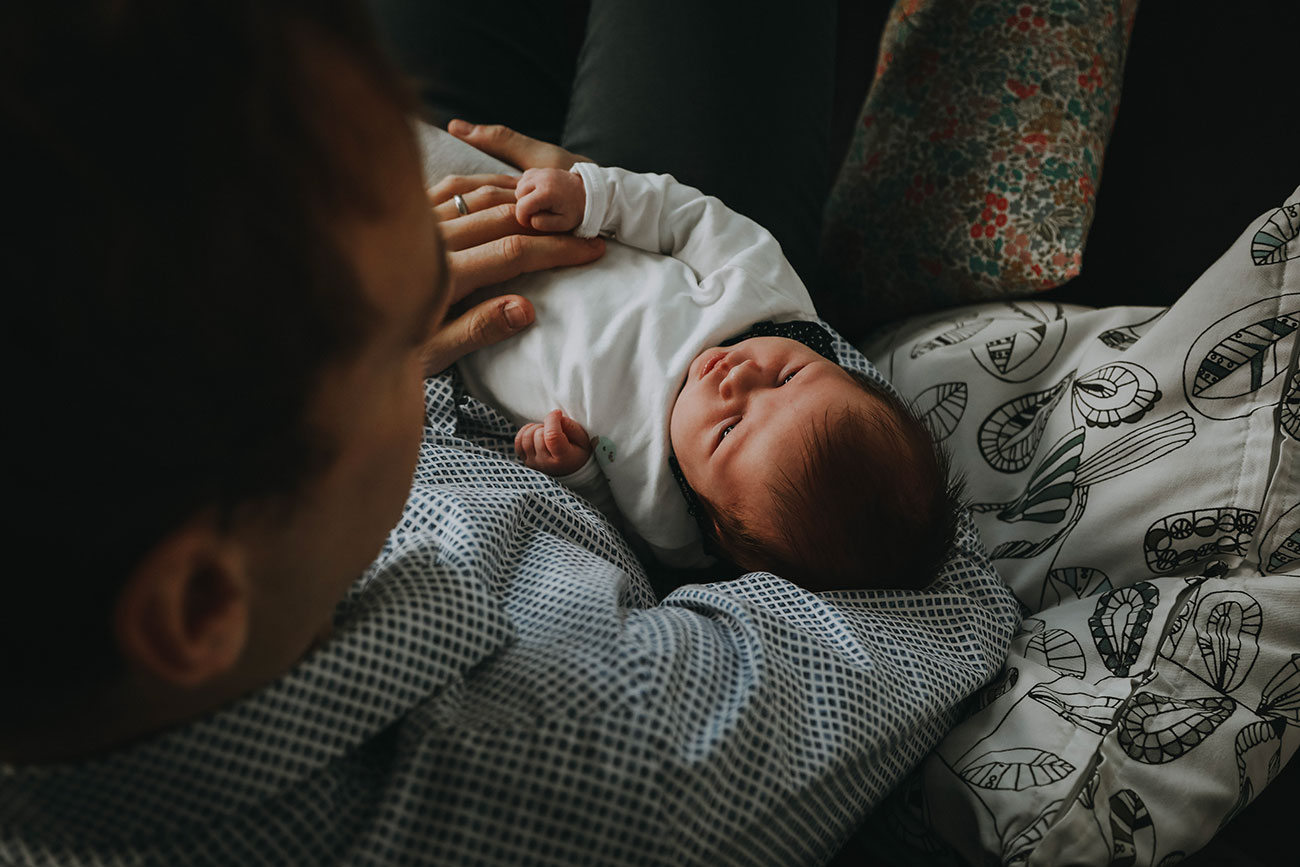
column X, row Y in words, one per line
column 612, row 340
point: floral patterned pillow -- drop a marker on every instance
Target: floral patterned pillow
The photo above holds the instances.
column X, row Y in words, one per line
column 975, row 163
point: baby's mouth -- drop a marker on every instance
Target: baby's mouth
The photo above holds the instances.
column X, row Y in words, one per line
column 710, row 363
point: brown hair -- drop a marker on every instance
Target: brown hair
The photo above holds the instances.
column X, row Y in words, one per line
column 175, row 287
column 872, row 504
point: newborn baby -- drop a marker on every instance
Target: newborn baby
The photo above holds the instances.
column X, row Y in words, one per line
column 688, row 378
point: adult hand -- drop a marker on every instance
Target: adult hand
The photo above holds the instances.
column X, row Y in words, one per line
column 483, row 324
column 484, row 247
column 513, row 147
column 487, row 245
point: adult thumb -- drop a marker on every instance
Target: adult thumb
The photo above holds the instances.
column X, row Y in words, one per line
column 484, row 324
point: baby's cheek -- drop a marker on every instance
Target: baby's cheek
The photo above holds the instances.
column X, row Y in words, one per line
column 687, row 429
column 678, row 423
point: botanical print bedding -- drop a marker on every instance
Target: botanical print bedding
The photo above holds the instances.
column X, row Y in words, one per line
column 1135, row 474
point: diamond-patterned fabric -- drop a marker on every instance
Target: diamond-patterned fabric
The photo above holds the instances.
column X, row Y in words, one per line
column 502, row 687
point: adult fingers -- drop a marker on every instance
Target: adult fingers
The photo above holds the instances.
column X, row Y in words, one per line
column 484, row 324
column 481, row 227
column 462, row 184
column 476, row 200
column 508, row 257
column 513, row 147
column 573, row 431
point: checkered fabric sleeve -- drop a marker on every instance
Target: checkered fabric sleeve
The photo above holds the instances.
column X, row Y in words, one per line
column 502, row 688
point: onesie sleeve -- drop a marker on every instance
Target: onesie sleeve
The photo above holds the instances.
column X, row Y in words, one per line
column 658, row 214
column 590, row 483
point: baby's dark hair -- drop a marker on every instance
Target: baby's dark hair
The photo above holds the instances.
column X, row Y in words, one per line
column 874, row 504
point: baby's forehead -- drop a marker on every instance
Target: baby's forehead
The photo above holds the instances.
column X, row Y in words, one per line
column 773, row 343
column 843, row 418
column 838, row 393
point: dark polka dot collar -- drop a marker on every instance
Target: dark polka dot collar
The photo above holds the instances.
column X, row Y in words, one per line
column 810, row 334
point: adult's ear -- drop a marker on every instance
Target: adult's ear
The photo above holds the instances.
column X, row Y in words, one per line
column 184, row 612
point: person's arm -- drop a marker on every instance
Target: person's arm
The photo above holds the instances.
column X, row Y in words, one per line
column 747, row 720
column 785, row 716
column 589, row 482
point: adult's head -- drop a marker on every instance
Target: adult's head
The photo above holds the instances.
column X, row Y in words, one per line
column 221, row 271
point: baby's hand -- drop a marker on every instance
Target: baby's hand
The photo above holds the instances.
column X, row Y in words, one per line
column 550, row 200
column 557, row 446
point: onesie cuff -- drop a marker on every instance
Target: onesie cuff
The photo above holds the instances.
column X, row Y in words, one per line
column 593, row 215
column 582, row 477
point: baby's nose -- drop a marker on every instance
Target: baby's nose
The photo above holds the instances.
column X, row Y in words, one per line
column 738, row 379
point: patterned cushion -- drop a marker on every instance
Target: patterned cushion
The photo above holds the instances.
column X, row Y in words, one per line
column 1135, row 472
column 977, row 155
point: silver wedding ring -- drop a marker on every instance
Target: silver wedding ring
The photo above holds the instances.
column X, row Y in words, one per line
column 460, row 204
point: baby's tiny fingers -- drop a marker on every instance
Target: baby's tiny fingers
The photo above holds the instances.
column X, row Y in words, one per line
column 524, row 439
column 526, row 183
column 526, row 206
column 574, row 432
column 553, row 434
column 550, row 222
column 539, row 445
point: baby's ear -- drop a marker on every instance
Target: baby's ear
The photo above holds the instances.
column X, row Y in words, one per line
column 712, row 539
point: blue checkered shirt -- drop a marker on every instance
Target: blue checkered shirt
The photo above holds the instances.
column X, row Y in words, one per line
column 502, row 688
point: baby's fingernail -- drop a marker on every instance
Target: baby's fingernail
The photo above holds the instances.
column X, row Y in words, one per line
column 459, row 127
column 515, row 316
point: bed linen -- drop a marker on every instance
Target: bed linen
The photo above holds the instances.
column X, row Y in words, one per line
column 1136, row 475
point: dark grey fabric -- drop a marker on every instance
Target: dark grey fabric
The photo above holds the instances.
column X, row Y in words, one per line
column 733, row 98
column 487, row 61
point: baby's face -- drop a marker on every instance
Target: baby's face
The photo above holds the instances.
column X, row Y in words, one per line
column 742, row 415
